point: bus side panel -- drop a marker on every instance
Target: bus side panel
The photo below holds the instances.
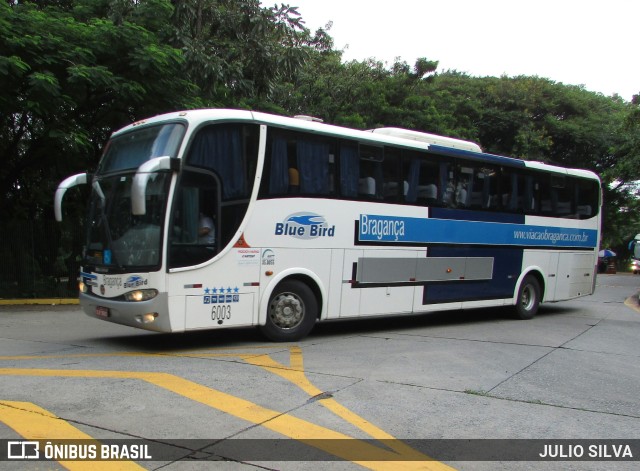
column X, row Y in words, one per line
column 218, row 294
column 312, row 265
column 177, row 313
column 387, row 268
column 546, row 262
column 575, row 275
column 507, row 265
column 350, row 295
column 336, row 284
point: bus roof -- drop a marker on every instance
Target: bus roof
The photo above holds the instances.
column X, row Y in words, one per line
column 429, row 138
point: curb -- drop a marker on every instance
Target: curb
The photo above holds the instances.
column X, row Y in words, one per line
column 43, row 302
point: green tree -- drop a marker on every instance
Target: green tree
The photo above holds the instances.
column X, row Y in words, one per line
column 238, row 52
column 532, row 118
column 70, row 73
column 622, row 192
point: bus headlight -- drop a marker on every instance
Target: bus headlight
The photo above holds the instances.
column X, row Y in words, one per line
column 141, row 295
column 147, row 318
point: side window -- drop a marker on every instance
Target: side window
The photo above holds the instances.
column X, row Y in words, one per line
column 557, row 195
column 484, row 188
column 349, row 169
column 492, row 182
column 411, row 166
column 516, row 191
column 464, row 186
column 430, row 182
column 230, row 151
column 543, row 191
column 371, row 177
column 213, row 192
column 536, row 195
column 393, row 187
column 530, row 201
column 194, row 221
column 587, row 195
column 562, row 195
column 455, row 184
column 313, row 161
column 447, row 185
column 521, row 190
column 297, row 163
column 508, row 190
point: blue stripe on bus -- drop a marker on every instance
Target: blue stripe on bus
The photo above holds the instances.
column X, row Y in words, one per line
column 408, row 230
column 480, row 157
column 471, row 215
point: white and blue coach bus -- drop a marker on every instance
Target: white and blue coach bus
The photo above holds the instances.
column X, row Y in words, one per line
column 311, row 222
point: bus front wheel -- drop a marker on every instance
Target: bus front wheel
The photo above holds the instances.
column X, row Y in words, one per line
column 291, row 312
column 528, row 298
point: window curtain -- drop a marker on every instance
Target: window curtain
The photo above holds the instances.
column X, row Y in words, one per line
column 219, row 148
column 412, row 179
column 190, row 213
column 313, row 166
column 279, row 174
column 349, row 171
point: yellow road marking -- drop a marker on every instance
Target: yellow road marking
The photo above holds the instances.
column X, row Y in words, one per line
column 194, row 354
column 47, row 302
column 632, row 302
column 295, row 374
column 35, row 423
column 314, row 435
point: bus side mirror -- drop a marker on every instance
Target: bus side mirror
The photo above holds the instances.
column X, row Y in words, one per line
column 139, row 187
column 70, row 182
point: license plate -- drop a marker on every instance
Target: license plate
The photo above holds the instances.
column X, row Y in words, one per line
column 102, row 311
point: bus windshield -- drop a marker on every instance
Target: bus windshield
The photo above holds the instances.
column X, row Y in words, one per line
column 129, row 151
column 116, row 239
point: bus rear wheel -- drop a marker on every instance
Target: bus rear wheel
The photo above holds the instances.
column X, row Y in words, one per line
column 291, row 312
column 528, row 298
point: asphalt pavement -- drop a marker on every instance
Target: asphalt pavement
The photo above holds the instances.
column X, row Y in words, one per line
column 440, row 391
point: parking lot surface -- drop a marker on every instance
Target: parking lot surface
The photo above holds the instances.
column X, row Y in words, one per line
column 415, row 392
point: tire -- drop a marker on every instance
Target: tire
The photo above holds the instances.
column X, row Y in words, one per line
column 528, row 298
column 291, row 313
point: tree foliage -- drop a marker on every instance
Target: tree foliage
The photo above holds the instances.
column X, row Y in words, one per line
column 72, row 71
column 236, row 51
column 532, row 118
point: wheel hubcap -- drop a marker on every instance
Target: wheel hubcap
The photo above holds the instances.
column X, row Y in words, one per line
column 528, row 298
column 286, row 310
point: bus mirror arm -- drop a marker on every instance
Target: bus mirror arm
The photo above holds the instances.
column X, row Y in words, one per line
column 70, row 182
column 139, row 187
